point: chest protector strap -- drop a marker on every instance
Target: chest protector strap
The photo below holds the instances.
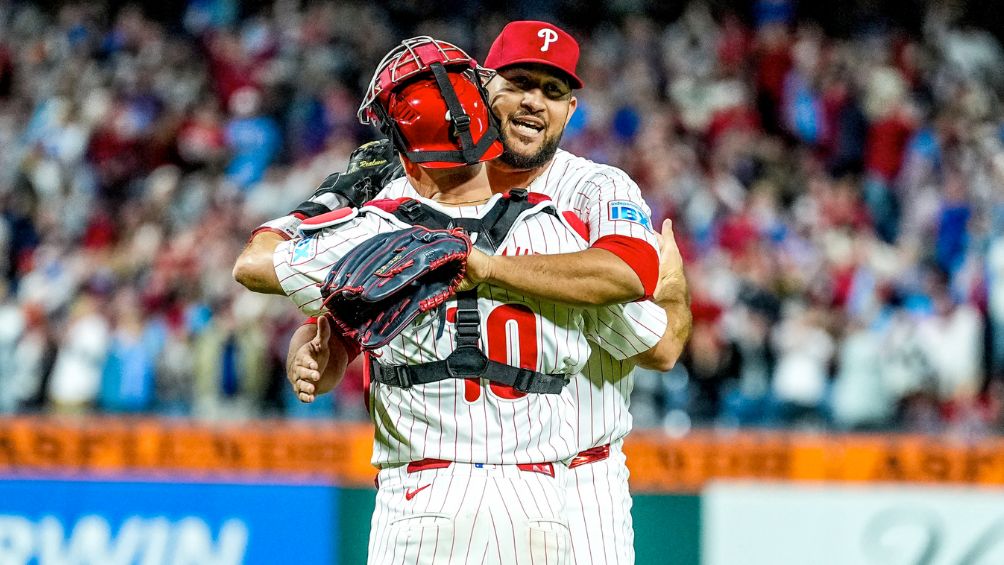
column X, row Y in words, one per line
column 467, row 360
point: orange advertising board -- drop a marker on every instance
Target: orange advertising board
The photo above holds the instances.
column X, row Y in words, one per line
column 339, row 452
column 660, row 464
column 321, row 451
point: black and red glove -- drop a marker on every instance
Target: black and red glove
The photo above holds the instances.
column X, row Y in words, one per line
column 382, row 285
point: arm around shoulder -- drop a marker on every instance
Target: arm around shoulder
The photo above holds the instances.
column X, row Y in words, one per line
column 592, row 277
column 254, row 267
column 664, row 355
column 673, row 295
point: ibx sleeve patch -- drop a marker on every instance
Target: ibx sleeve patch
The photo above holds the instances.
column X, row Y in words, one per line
column 627, row 211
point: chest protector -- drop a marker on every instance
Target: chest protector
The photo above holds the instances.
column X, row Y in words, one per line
column 467, row 360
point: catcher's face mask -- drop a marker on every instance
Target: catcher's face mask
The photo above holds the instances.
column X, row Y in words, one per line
column 427, row 97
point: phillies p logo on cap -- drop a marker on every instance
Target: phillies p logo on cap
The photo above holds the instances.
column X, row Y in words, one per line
column 548, row 35
column 532, row 42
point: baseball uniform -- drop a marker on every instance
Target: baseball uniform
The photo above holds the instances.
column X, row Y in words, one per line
column 599, row 499
column 616, row 218
column 499, row 446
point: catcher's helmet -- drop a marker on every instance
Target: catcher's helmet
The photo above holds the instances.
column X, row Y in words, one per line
column 428, row 98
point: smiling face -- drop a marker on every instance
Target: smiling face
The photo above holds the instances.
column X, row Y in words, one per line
column 533, row 105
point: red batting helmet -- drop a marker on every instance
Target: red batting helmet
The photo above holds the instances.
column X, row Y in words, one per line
column 427, row 97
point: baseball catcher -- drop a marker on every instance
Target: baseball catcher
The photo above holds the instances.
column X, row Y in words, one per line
column 452, row 393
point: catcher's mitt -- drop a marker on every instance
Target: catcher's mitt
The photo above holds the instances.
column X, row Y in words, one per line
column 379, row 287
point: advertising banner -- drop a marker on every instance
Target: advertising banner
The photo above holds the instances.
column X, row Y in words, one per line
column 48, row 522
column 333, row 452
column 339, row 453
column 796, row 524
column 663, row 464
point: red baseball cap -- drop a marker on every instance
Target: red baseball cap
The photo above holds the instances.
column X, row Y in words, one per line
column 535, row 42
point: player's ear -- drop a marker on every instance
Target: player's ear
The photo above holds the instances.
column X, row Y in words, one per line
column 573, row 103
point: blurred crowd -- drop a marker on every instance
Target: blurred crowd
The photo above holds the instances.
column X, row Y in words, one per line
column 837, row 200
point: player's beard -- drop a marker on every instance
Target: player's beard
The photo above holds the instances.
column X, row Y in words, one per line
column 527, row 162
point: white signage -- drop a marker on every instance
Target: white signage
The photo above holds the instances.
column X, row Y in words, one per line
column 828, row 524
column 146, row 541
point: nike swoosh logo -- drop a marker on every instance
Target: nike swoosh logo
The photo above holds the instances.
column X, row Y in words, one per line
column 410, row 494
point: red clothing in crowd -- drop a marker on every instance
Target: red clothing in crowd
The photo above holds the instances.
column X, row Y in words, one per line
column 887, row 138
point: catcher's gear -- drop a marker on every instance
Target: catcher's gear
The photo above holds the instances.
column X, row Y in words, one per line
column 371, row 167
column 379, row 287
column 467, row 359
column 416, row 85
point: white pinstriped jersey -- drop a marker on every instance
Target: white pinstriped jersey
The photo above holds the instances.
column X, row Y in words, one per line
column 469, row 421
column 609, row 203
column 603, row 197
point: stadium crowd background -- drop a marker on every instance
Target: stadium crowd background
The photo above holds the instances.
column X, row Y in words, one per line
column 834, row 180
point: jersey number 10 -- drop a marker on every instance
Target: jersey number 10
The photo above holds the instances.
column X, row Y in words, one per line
column 498, row 342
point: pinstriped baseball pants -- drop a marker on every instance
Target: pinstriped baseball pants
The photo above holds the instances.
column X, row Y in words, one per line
column 470, row 514
column 598, row 506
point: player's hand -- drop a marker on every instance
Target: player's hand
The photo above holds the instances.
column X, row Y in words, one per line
column 672, row 285
column 310, row 361
column 378, row 159
column 479, row 269
column 371, row 167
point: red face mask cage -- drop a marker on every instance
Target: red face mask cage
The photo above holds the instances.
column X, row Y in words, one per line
column 417, row 58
